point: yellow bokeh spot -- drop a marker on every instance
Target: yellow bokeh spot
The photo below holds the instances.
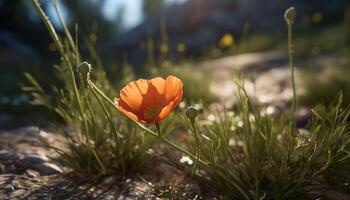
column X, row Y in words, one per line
column 316, row 17
column 52, row 47
column 226, row 40
column 181, row 48
column 164, row 48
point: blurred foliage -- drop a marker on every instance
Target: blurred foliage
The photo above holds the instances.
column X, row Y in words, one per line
column 323, row 85
column 196, row 84
column 25, row 47
column 152, row 6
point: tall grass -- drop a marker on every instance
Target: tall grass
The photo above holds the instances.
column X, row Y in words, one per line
column 260, row 156
column 98, row 138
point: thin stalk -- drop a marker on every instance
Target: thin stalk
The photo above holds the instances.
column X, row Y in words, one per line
column 110, row 121
column 64, row 26
column 292, row 69
column 175, row 146
column 58, row 43
column 197, row 146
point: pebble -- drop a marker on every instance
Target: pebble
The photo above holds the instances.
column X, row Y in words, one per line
column 31, row 164
column 7, row 155
column 30, row 131
column 35, row 158
column 32, row 173
column 47, row 169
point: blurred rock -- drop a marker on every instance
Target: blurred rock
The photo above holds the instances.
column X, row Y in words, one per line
column 47, row 169
column 13, row 121
column 267, row 77
column 34, row 159
column 32, row 173
column 16, row 162
column 7, row 155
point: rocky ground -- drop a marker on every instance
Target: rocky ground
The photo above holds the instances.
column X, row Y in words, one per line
column 26, row 172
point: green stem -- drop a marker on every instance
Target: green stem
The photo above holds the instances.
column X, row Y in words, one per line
column 197, row 146
column 175, row 146
column 59, row 45
column 292, row 68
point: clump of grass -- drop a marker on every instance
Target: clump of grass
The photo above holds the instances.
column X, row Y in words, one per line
column 98, row 138
column 251, row 155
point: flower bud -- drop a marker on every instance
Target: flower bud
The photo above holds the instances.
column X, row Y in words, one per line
column 191, row 113
column 289, row 15
column 85, row 69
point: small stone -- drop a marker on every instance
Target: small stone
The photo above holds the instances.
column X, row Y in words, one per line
column 7, row 155
column 34, row 158
column 32, row 173
column 47, row 169
column 9, row 188
column 31, row 131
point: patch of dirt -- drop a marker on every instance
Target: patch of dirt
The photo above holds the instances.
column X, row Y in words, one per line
column 22, row 175
column 112, row 186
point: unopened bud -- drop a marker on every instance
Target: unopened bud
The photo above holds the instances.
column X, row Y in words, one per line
column 191, row 113
column 85, row 69
column 289, row 15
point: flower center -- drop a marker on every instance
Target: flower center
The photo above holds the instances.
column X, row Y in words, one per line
column 152, row 112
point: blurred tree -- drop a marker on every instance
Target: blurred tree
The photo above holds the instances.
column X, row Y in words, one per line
column 152, row 6
column 89, row 16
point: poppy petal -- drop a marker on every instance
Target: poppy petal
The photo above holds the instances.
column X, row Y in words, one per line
column 168, row 109
column 150, row 101
column 157, row 87
column 125, row 109
column 136, row 94
column 173, row 87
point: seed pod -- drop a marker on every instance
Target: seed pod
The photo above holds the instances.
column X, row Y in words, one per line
column 289, row 15
column 191, row 113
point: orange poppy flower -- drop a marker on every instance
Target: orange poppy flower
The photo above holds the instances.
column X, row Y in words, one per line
column 150, row 101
